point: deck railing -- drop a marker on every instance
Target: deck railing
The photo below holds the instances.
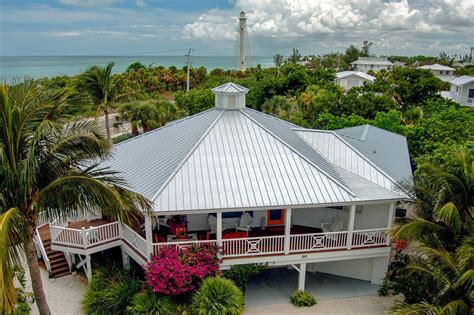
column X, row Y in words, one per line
column 134, row 239
column 318, row 241
column 85, row 238
column 253, row 246
column 180, row 245
column 369, row 238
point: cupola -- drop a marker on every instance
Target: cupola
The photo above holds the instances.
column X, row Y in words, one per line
column 230, row 96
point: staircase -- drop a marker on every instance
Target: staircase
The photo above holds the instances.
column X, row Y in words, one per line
column 59, row 266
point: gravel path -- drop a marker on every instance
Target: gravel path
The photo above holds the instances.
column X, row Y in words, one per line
column 365, row 305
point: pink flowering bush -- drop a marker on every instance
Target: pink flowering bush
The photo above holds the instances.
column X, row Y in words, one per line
column 178, row 271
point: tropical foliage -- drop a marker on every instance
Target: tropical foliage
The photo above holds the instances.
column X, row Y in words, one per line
column 218, row 295
column 150, row 303
column 240, row 274
column 48, row 161
column 302, row 298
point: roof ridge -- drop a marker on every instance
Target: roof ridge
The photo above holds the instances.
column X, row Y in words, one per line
column 370, row 126
column 337, row 182
column 169, row 124
column 188, row 155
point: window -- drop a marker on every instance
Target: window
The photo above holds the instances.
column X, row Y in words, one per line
column 275, row 217
column 470, row 94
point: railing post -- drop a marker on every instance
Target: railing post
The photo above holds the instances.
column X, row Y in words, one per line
column 287, row 231
column 84, row 237
column 149, row 236
column 350, row 226
column 391, row 213
column 219, row 229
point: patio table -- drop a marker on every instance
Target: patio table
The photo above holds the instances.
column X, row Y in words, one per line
column 189, row 237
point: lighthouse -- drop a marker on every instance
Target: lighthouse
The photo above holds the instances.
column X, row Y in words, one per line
column 243, row 40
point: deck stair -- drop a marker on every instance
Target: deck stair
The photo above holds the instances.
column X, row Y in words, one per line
column 59, row 265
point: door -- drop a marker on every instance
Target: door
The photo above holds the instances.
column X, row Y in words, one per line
column 276, row 217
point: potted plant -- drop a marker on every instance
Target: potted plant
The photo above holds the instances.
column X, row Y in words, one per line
column 181, row 234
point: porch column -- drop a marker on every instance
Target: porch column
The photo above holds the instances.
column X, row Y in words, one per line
column 391, row 213
column 219, row 229
column 350, row 226
column 125, row 259
column 149, row 236
column 302, row 276
column 88, row 267
column 287, row 230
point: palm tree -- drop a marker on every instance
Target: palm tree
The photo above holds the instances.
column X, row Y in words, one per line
column 450, row 276
column 48, row 161
column 104, row 90
column 445, row 202
column 278, row 60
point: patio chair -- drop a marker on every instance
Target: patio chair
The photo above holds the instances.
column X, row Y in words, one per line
column 212, row 221
column 244, row 222
column 335, row 226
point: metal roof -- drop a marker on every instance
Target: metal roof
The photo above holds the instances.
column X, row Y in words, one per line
column 465, row 79
column 147, row 161
column 386, row 149
column 369, row 61
column 241, row 164
column 363, row 75
column 230, row 87
column 436, row 66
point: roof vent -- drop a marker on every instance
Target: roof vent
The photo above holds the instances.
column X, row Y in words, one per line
column 230, row 96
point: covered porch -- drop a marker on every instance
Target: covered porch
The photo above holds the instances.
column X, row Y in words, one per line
column 253, row 233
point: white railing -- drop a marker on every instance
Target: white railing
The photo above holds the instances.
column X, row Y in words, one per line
column 180, row 245
column 40, row 245
column 85, row 238
column 318, row 241
column 134, row 239
column 372, row 237
column 253, row 246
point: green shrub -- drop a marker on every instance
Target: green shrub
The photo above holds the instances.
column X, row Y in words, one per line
column 240, row 274
column 218, row 295
column 151, row 303
column 110, row 291
column 302, row 298
column 384, row 289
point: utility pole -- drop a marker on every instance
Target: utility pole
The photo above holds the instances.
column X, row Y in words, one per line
column 188, row 68
column 242, row 41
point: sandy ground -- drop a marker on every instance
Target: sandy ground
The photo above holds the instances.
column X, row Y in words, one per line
column 63, row 294
column 359, row 305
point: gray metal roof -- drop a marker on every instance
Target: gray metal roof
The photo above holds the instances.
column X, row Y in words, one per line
column 386, row 149
column 462, row 80
column 344, row 74
column 147, row 161
column 240, row 164
column 230, row 87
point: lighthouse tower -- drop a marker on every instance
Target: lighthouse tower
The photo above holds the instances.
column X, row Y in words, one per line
column 243, row 41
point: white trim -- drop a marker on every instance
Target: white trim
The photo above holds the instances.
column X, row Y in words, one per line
column 219, row 229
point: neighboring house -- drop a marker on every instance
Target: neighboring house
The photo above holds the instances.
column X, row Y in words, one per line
column 444, row 73
column 364, row 64
column 461, row 91
column 263, row 189
column 399, row 64
column 350, row 79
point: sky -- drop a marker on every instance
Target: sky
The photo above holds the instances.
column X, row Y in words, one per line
column 163, row 27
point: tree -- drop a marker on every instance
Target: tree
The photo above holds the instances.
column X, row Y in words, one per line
column 295, row 56
column 195, row 101
column 49, row 162
column 365, row 51
column 137, row 65
column 278, row 61
column 352, row 54
column 103, row 88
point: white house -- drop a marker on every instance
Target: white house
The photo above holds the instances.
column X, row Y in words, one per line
column 364, row 64
column 461, row 91
column 263, row 189
column 444, row 73
column 350, row 79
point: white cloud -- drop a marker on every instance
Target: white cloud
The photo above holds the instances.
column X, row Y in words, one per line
column 140, row 3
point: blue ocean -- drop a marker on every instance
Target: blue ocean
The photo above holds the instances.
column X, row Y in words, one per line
column 18, row 67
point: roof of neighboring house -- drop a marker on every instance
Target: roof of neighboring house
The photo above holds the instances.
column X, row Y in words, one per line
column 465, row 79
column 437, row 66
column 372, row 61
column 244, row 159
column 344, row 74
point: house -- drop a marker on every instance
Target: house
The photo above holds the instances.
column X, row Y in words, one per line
column 461, row 91
column 364, row 64
column 444, row 73
column 263, row 189
column 350, row 79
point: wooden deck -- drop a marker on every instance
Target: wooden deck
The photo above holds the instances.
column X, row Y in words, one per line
column 87, row 224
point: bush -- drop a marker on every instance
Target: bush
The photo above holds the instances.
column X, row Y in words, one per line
column 180, row 271
column 240, row 274
column 150, row 303
column 218, row 295
column 302, row 298
column 110, row 291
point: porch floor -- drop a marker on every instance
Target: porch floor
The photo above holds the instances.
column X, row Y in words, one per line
column 274, row 286
column 87, row 224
